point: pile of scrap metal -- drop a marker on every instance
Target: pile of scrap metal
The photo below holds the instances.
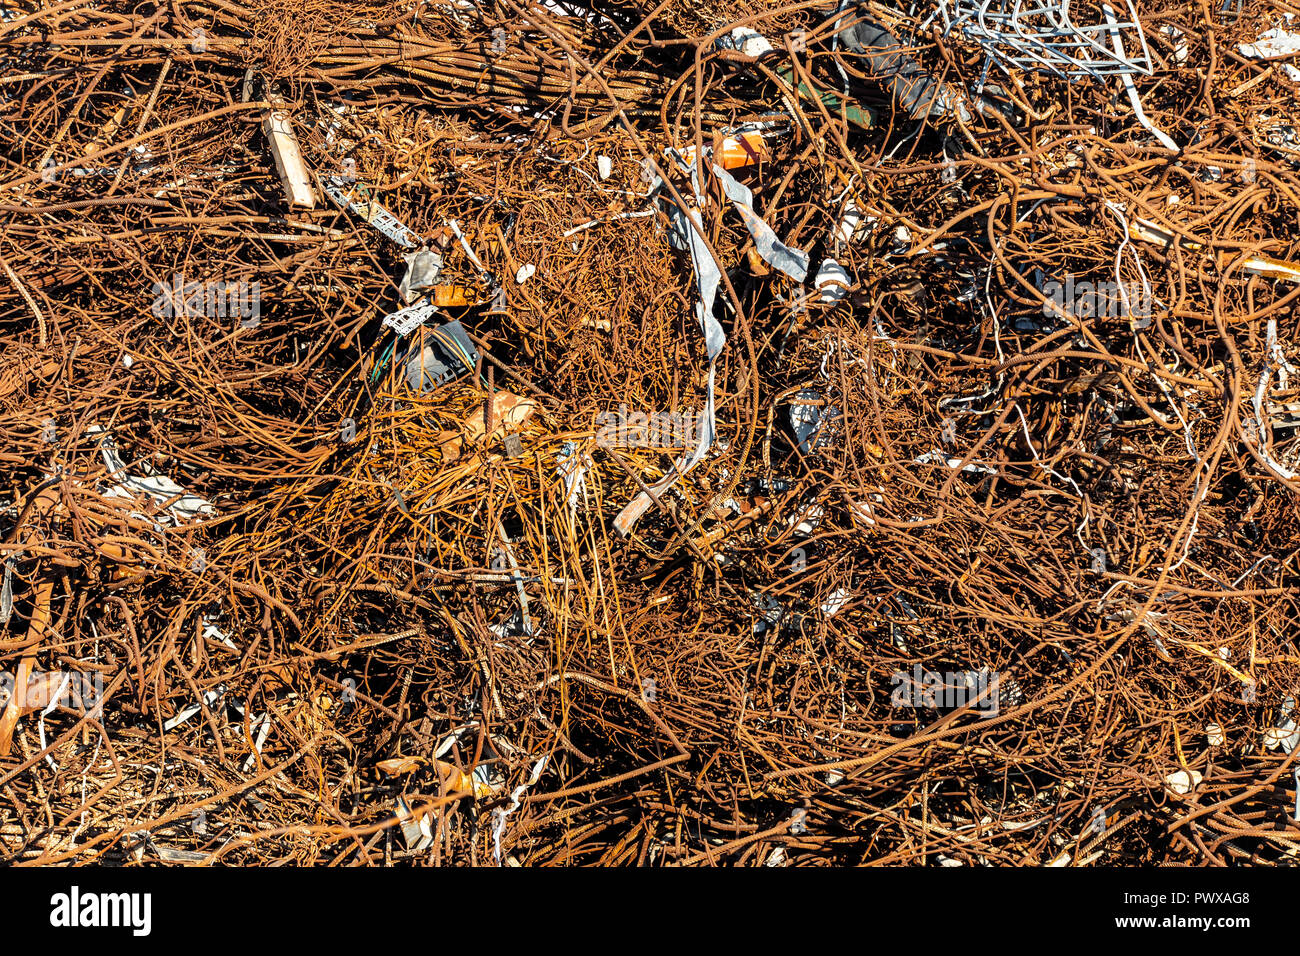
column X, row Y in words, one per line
column 648, row 434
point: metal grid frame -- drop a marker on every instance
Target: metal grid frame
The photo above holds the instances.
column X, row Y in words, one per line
column 1042, row 36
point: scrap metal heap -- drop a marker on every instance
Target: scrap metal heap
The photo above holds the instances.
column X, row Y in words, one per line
column 617, row 433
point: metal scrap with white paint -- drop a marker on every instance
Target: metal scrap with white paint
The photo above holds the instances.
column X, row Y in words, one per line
column 182, row 506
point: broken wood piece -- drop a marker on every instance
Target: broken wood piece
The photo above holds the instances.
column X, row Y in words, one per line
column 288, row 156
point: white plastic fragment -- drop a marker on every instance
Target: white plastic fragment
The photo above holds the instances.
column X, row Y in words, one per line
column 1183, row 781
column 604, row 167
column 687, row 228
column 902, row 242
column 454, row 226
column 936, row 457
column 1271, row 43
column 1214, row 735
column 1179, row 39
column 832, row 281
column 54, row 702
column 572, row 467
column 806, row 520
column 1284, row 733
column 793, row 262
column 849, row 224
column 747, row 41
column 211, row 632
column 835, row 601
column 861, row 512
column 591, row 223
column 209, row 698
column 500, row 814
column 806, row 418
column 263, row 728
column 7, row 590
column 1260, row 436
column 526, row 272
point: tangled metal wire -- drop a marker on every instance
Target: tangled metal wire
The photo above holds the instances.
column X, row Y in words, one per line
column 869, row 452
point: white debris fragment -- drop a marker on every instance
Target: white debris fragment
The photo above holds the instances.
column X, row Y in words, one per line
column 807, row 519
column 55, row 699
column 604, row 167
column 1183, row 781
column 263, row 725
column 747, row 41
column 181, row 505
column 832, row 281
column 500, row 814
column 835, row 601
column 572, row 467
column 936, row 457
column 416, row 833
column 861, row 511
column 407, row 320
column 422, row 268
column 525, row 273
column 1271, row 43
column 1284, row 733
column 211, row 632
column 209, row 699
column 1179, row 39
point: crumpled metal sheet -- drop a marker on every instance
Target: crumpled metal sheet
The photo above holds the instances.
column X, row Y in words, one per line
column 422, row 268
column 793, row 262
column 689, row 230
column 183, row 506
